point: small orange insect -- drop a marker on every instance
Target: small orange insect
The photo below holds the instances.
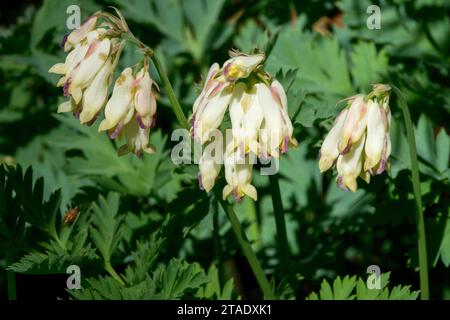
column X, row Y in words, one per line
column 70, row 216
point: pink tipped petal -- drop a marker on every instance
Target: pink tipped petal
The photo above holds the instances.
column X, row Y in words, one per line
column 382, row 166
column 285, row 146
column 340, row 184
column 153, row 124
column 200, row 182
column 77, row 113
column 94, row 45
column 139, row 121
column 66, row 87
column 216, row 90
column 63, row 41
column 347, row 147
column 114, row 134
column 276, row 95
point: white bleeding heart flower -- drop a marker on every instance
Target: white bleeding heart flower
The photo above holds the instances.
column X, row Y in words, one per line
column 210, row 164
column 137, row 140
column 239, row 177
column 359, row 139
column 82, row 75
column 329, row 150
column 260, row 125
column 96, row 94
column 145, row 99
column 211, row 111
column 119, row 109
column 349, row 166
column 354, row 124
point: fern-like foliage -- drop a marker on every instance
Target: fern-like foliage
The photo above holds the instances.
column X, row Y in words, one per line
column 144, row 259
column 53, row 259
column 351, row 288
column 179, row 279
column 106, row 229
column 213, row 290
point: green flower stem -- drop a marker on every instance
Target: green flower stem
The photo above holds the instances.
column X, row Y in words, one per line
column 421, row 235
column 170, row 93
column 246, row 248
column 10, row 278
column 280, row 222
column 113, row 273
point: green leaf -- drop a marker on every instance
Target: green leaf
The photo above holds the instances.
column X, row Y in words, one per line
column 144, row 259
column 322, row 69
column 368, row 65
column 53, row 260
column 24, row 199
column 106, row 230
column 442, row 151
column 177, row 280
column 344, row 289
column 213, row 289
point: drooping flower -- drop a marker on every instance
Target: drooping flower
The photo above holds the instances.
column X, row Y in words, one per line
column 145, row 99
column 119, row 109
column 94, row 51
column 88, row 69
column 238, row 174
column 131, row 108
column 137, row 129
column 359, row 141
column 137, row 140
column 257, row 106
column 211, row 106
column 210, row 164
column 96, row 95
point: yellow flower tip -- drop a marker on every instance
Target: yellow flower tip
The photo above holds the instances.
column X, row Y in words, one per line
column 65, row 107
column 104, row 125
column 293, row 143
column 343, row 144
column 58, row 68
column 76, row 93
column 61, row 82
column 325, row 163
column 369, row 163
column 250, row 191
column 350, row 183
column 86, row 116
column 207, row 183
column 365, row 176
column 226, row 191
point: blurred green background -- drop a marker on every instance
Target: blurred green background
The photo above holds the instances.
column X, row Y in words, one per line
column 322, row 51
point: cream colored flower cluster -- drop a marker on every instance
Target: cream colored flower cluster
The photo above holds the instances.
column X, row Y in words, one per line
column 86, row 75
column 257, row 106
column 359, row 142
